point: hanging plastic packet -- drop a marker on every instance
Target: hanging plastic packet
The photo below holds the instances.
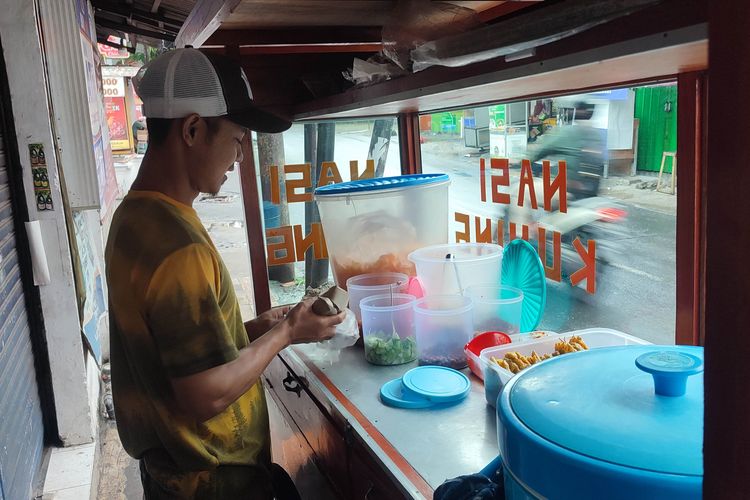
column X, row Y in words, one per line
column 333, row 301
column 347, row 334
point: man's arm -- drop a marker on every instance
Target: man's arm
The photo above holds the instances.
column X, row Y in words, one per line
column 264, row 322
column 206, row 394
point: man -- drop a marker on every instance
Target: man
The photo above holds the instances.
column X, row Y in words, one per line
column 185, row 369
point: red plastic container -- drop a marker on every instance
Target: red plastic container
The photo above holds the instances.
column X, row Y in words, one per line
column 482, row 341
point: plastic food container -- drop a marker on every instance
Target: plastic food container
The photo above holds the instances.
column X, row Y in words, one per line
column 444, row 325
column 616, row 422
column 372, row 225
column 366, row 285
column 476, row 345
column 495, row 377
column 451, row 269
column 496, row 307
column 388, row 329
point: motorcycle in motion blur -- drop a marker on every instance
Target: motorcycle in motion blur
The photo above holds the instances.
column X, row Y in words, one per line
column 589, row 216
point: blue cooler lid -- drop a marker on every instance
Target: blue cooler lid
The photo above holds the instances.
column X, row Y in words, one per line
column 439, row 384
column 380, row 184
column 629, row 417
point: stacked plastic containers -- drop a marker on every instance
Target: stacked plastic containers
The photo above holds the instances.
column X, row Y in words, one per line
column 444, row 318
column 388, row 328
column 366, row 285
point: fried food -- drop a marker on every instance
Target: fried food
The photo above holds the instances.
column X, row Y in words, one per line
column 515, row 361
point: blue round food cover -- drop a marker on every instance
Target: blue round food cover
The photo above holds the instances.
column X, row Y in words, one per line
column 439, row 384
column 522, row 269
column 392, row 394
column 381, row 183
column 592, row 421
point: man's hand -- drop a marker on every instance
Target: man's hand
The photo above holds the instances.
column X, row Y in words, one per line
column 306, row 326
column 264, row 322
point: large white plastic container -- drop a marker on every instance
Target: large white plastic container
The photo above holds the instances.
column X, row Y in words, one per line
column 451, row 269
column 495, row 377
column 444, row 325
column 372, row 225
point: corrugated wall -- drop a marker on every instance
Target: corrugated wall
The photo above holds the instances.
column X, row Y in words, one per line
column 21, row 428
column 657, row 131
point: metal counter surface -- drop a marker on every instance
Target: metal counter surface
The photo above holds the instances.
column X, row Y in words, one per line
column 438, row 443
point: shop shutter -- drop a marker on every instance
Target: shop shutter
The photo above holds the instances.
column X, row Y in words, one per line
column 21, row 427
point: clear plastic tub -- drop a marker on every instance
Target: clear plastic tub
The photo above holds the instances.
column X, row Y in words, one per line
column 366, row 285
column 444, row 325
column 388, row 329
column 451, row 269
column 495, row 377
column 496, row 308
column 372, row 225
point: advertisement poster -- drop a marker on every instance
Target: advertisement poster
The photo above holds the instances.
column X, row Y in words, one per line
column 117, row 122
column 91, row 294
column 105, row 172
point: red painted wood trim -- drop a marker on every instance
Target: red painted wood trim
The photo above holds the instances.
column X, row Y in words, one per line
column 727, row 315
column 689, row 165
column 403, row 465
column 256, row 241
column 496, row 13
column 410, row 149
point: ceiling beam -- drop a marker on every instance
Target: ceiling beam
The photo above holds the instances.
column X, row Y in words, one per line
column 297, row 36
column 126, row 28
column 204, row 20
column 155, row 6
column 124, row 10
column 320, row 48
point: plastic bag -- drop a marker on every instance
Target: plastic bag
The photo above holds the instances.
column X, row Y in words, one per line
column 347, row 334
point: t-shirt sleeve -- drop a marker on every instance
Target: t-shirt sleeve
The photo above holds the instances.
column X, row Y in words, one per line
column 184, row 314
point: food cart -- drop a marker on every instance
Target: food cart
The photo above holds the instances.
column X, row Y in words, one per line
column 330, row 430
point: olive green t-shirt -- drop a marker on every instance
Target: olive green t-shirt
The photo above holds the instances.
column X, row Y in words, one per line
column 173, row 312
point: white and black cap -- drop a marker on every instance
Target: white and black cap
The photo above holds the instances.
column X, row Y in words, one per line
column 185, row 81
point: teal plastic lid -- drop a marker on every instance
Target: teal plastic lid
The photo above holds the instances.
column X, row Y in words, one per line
column 438, row 384
column 522, row 269
column 601, row 405
column 392, row 394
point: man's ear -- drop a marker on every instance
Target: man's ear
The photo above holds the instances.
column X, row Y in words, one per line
column 192, row 127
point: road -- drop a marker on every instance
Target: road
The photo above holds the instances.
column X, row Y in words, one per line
column 636, row 293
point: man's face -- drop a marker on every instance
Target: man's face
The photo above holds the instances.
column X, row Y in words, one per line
column 215, row 154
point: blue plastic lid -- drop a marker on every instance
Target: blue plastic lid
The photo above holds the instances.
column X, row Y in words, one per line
column 598, row 404
column 439, row 384
column 391, row 394
column 522, row 269
column 380, row 184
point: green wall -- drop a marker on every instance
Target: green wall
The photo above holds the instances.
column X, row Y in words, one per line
column 657, row 131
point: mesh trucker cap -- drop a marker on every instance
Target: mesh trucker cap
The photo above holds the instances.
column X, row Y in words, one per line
column 185, row 81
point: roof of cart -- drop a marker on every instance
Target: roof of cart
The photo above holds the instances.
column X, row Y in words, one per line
column 314, row 59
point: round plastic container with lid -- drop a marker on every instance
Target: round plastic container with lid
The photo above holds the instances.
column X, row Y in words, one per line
column 496, row 307
column 444, row 325
column 372, row 225
column 365, row 285
column 388, row 329
column 451, row 269
column 606, row 423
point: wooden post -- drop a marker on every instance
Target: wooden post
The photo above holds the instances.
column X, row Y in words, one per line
column 727, row 244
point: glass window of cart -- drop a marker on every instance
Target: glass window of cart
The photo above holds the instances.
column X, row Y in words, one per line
column 580, row 173
column 289, row 167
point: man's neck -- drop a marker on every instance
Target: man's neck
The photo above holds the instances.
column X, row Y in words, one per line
column 163, row 170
